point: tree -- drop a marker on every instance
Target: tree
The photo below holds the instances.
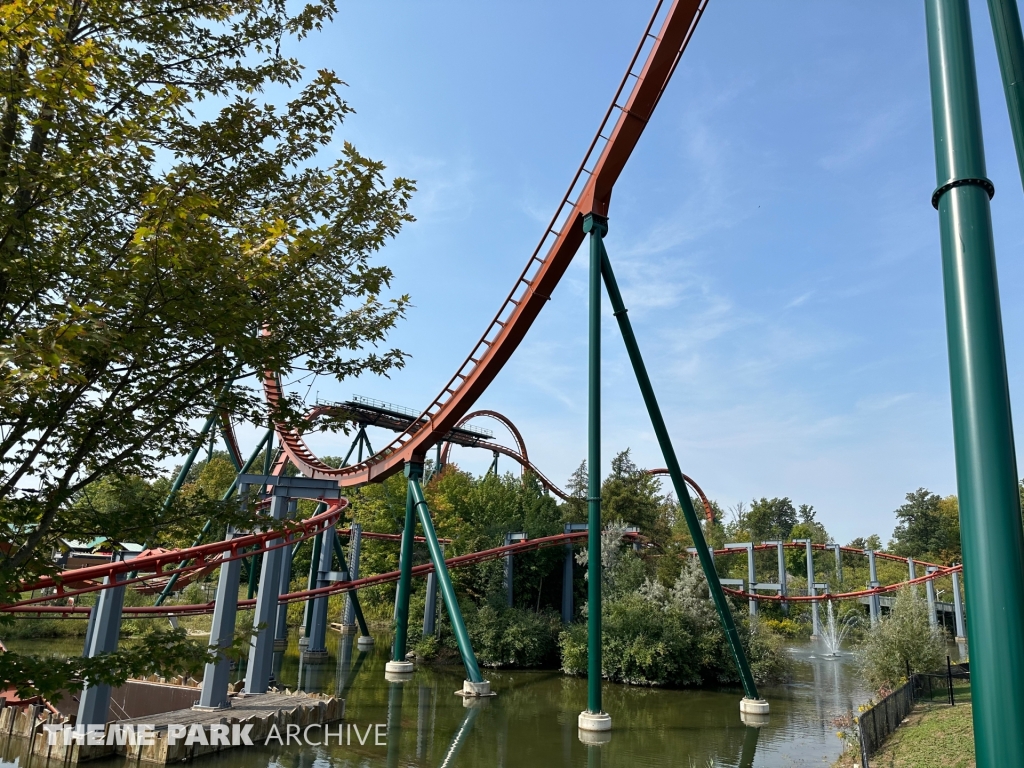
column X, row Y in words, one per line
column 578, row 488
column 769, row 519
column 929, row 527
column 167, row 235
column 631, row 495
column 903, row 639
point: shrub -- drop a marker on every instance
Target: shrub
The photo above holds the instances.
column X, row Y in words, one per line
column 904, row 637
column 661, row 636
column 786, row 627
column 641, row 646
column 512, row 637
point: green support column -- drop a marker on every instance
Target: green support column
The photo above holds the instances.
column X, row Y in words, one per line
column 398, row 664
column 752, row 704
column 1010, row 47
column 169, row 587
column 307, row 616
column 255, row 560
column 357, row 609
column 475, row 685
column 990, row 520
column 594, row 718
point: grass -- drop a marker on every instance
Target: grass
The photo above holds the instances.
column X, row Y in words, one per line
column 934, row 734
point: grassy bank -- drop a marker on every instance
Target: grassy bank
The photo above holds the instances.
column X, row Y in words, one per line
column 934, row 734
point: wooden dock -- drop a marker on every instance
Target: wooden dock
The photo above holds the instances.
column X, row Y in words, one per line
column 206, row 731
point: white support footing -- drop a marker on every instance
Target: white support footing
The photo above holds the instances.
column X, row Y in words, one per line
column 590, row 721
column 364, row 642
column 400, row 667
column 753, row 706
column 471, row 689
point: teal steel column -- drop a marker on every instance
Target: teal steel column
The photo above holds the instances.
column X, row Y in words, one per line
column 169, row 587
column 307, row 611
column 405, row 571
column 1010, row 47
column 707, row 561
column 990, row 520
column 443, row 578
column 597, row 226
column 255, row 562
column 353, row 597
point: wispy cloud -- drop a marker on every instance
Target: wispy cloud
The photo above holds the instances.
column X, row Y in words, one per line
column 865, row 138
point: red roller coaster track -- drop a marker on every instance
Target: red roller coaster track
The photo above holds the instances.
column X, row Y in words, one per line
column 589, row 192
column 32, row 607
column 543, row 270
column 524, row 461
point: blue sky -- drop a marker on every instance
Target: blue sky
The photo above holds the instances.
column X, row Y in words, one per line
column 772, row 233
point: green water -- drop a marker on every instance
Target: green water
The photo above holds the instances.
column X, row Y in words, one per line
column 532, row 720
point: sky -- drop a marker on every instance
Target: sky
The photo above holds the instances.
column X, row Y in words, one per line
column 772, row 234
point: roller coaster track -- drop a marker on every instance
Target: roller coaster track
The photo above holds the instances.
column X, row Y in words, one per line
column 522, row 458
column 589, row 192
column 96, row 577
column 33, row 608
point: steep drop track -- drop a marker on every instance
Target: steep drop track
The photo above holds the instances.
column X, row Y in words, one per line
column 589, row 192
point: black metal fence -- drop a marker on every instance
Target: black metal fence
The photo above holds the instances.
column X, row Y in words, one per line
column 875, row 724
column 879, row 721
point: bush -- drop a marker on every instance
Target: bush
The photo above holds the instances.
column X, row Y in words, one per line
column 641, row 646
column 904, row 637
column 673, row 637
column 512, row 637
column 786, row 627
column 765, row 652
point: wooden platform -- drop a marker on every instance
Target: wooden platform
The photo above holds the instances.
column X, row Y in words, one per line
column 263, row 712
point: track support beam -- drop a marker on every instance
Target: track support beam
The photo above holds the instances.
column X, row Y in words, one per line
column 102, row 636
column 594, row 718
column 475, row 684
column 752, row 699
column 399, row 649
column 990, row 518
column 214, row 694
column 1006, row 29
column 355, row 546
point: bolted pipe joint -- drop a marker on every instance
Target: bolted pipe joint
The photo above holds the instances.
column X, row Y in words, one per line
column 596, row 223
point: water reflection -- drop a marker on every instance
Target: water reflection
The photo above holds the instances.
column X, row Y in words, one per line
column 532, row 720
column 749, row 746
column 462, row 734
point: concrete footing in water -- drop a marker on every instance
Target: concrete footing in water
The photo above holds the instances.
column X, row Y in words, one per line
column 594, row 721
column 475, row 690
column 754, row 712
column 400, row 667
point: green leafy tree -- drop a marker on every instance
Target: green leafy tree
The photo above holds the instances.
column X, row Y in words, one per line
column 168, row 233
column 928, row 527
column 578, row 490
column 631, row 495
column 166, row 230
column 903, row 638
column 769, row 519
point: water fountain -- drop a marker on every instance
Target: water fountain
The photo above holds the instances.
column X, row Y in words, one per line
column 834, row 632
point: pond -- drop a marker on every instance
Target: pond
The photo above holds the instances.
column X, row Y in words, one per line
column 532, row 720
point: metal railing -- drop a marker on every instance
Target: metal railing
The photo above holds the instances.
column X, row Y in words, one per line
column 878, row 722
